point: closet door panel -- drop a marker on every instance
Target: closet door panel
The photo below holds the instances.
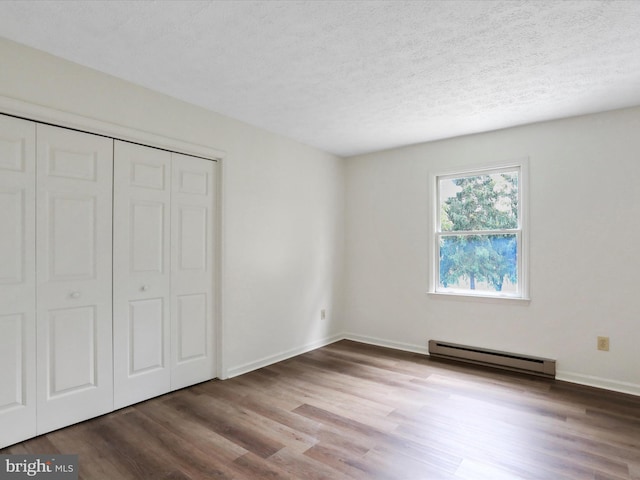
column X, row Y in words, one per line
column 72, row 343
column 141, row 273
column 74, row 275
column 17, row 281
column 192, row 328
column 12, row 219
column 12, row 349
column 148, row 223
column 72, row 217
column 192, row 288
column 146, row 330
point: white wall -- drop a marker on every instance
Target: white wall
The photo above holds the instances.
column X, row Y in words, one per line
column 285, row 227
column 283, row 204
column 584, row 255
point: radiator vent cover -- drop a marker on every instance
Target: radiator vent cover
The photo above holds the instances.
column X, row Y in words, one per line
column 481, row 356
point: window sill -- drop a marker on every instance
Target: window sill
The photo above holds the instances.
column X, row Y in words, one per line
column 479, row 298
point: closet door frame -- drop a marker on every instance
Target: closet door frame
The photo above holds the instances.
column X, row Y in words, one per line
column 43, row 114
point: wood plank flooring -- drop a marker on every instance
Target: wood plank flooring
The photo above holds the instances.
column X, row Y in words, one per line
column 354, row 411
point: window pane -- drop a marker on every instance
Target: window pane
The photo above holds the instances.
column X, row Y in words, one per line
column 479, row 202
column 481, row 263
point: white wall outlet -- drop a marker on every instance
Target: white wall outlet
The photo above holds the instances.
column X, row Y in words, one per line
column 603, row 344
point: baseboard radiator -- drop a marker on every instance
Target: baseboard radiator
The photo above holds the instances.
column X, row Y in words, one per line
column 504, row 360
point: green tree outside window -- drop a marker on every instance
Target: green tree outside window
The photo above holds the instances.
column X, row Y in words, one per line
column 478, row 240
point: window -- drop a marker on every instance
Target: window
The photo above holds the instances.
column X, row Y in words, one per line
column 478, row 238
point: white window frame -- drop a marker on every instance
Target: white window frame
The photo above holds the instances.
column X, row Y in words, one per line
column 522, row 232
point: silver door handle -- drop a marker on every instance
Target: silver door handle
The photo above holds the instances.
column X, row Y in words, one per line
column 75, row 295
column 144, row 288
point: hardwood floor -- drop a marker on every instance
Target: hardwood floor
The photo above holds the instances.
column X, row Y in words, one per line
column 353, row 411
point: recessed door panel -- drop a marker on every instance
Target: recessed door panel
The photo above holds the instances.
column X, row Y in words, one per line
column 192, row 223
column 148, row 175
column 12, row 241
column 17, row 281
column 147, row 236
column 74, row 164
column 146, row 333
column 141, row 296
column 13, row 350
column 74, row 273
column 193, row 182
column 72, row 237
column 192, row 326
column 72, row 350
column 193, row 205
column 13, row 146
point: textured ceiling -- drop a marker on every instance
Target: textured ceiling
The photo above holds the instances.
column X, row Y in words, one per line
column 351, row 77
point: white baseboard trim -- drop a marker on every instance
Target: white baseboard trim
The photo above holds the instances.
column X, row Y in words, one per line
column 279, row 357
column 571, row 377
column 407, row 347
column 599, row 382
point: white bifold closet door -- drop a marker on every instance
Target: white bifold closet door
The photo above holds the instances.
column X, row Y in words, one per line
column 193, row 200
column 164, row 206
column 17, row 281
column 74, row 273
column 142, row 273
column 104, row 301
